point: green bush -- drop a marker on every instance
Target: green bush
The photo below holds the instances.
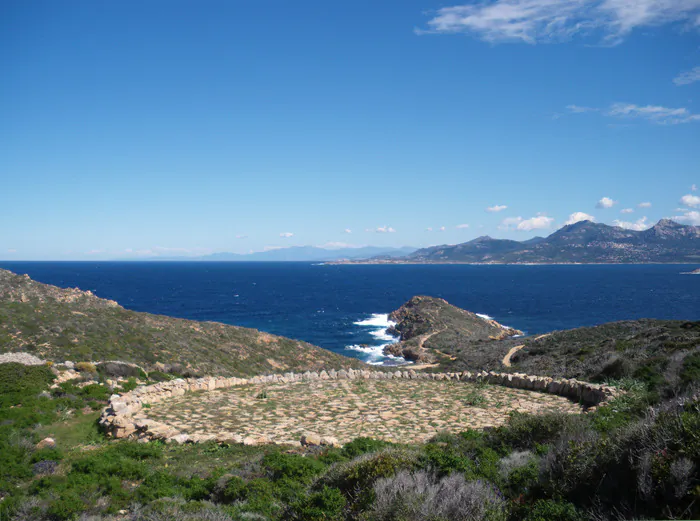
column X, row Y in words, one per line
column 23, row 379
column 66, row 507
column 690, row 371
column 292, row 466
column 85, row 367
column 360, row 446
column 328, row 504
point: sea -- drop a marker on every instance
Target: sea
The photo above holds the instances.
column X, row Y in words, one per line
column 344, row 308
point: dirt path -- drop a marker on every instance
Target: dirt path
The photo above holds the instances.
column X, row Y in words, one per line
column 506, row 359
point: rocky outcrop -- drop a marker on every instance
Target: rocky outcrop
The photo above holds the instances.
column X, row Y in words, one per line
column 428, row 327
column 124, row 416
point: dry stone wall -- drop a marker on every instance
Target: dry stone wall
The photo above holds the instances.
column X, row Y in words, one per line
column 124, row 416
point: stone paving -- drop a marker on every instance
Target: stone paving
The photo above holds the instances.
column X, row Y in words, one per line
column 405, row 411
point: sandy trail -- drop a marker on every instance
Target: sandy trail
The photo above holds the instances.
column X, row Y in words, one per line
column 506, row 359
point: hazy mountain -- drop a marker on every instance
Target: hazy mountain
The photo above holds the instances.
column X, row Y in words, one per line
column 308, row 254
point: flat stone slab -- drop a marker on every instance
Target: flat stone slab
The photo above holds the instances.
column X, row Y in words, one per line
column 397, row 410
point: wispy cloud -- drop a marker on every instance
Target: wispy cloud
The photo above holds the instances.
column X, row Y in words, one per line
column 627, row 210
column 241, row 236
column 691, row 200
column 429, row 229
column 496, row 208
column 694, row 188
column 11, row 250
column 286, row 235
column 688, row 77
column 605, row 202
column 577, row 109
column 95, row 252
column 638, row 225
column 462, row 226
column 441, row 229
column 578, row 217
column 385, row 229
column 347, row 230
column 652, row 113
column 553, row 21
column 645, row 204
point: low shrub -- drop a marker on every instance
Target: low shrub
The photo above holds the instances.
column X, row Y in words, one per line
column 328, row 504
column 420, row 496
column 85, row 367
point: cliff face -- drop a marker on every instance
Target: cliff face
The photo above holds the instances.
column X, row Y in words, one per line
column 69, row 324
column 430, row 327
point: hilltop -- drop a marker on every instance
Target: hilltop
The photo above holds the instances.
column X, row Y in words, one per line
column 69, row 324
column 581, row 242
column 427, row 327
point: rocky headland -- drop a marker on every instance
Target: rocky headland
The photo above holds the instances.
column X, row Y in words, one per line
column 428, row 327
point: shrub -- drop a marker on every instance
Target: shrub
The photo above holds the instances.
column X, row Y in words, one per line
column 23, row 379
column 292, row 466
column 551, row 510
column 360, row 446
column 356, row 478
column 327, row 504
column 158, row 376
column 66, row 507
column 85, row 367
column 129, row 385
column 690, row 371
column 420, row 496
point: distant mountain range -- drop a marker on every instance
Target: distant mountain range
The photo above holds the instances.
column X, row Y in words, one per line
column 302, row 253
column 581, row 242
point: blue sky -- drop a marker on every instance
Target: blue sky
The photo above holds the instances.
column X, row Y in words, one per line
column 131, row 129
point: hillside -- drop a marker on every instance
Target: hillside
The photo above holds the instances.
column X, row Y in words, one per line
column 427, row 327
column 663, row 353
column 69, row 324
column 581, row 242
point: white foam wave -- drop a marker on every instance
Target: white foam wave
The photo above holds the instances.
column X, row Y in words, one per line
column 376, row 320
column 380, row 323
column 485, row 317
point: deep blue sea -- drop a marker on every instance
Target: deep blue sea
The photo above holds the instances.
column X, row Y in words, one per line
column 345, row 305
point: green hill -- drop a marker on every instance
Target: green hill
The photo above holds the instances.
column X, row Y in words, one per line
column 69, row 324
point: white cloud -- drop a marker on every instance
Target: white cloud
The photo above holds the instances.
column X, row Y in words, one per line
column 385, row 229
column 577, row 109
column 462, row 226
column 241, row 236
column 644, row 205
column 690, row 217
column 286, row 235
column 694, row 188
column 638, row 225
column 605, row 202
column 347, row 230
column 578, row 217
column 429, row 229
column 270, row 248
column 11, row 250
column 442, row 228
column 538, row 222
column 627, row 210
column 496, row 208
column 552, row 21
column 688, row 77
column 691, row 200
column 541, row 222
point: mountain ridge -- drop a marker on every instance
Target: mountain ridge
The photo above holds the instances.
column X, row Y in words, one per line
column 583, row 242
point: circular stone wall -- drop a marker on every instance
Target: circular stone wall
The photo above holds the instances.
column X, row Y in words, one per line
column 397, row 410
